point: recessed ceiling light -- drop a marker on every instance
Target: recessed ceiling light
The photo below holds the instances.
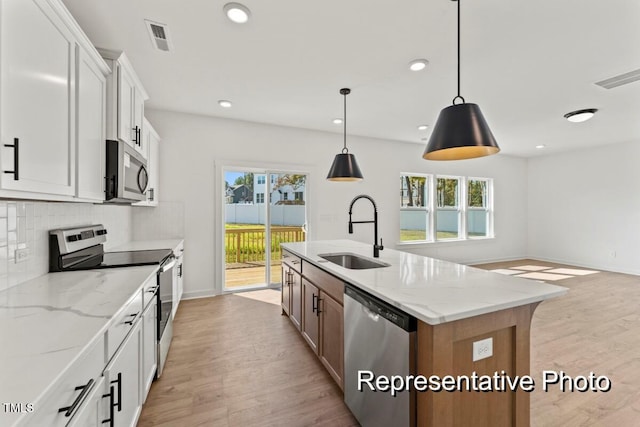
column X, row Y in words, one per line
column 423, row 127
column 337, row 121
column 418, row 64
column 237, row 12
column 225, row 104
column 580, row 115
column 541, row 146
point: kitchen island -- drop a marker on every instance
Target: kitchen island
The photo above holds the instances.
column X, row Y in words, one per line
column 455, row 306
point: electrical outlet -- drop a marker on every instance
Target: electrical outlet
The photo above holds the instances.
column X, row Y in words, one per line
column 613, row 254
column 22, row 255
column 482, row 349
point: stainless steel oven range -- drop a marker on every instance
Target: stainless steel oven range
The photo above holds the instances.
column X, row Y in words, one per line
column 81, row 248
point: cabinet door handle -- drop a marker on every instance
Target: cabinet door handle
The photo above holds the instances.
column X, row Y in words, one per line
column 69, row 410
column 152, row 290
column 151, row 195
column 16, row 158
column 314, row 303
column 111, row 397
column 119, row 382
column 180, row 270
column 318, row 311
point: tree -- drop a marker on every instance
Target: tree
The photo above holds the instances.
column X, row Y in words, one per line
column 246, row 179
column 415, row 186
column 294, row 180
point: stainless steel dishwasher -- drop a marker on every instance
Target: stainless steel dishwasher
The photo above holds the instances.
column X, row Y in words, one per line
column 379, row 338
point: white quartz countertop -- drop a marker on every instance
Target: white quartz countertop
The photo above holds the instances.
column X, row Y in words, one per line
column 47, row 323
column 432, row 290
column 143, row 245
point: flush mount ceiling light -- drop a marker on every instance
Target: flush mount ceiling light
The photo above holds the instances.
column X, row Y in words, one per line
column 337, row 121
column 418, row 64
column 345, row 167
column 461, row 132
column 237, row 12
column 540, row 147
column 224, row 103
column 423, row 127
column 580, row 115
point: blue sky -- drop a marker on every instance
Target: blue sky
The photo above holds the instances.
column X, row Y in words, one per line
column 230, row 177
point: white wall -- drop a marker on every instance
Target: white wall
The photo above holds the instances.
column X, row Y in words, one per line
column 584, row 206
column 192, row 146
column 27, row 225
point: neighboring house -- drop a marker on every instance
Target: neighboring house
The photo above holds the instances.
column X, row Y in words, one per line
column 239, row 194
column 285, row 194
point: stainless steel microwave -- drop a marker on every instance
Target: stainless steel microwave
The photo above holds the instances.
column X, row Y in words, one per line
column 126, row 174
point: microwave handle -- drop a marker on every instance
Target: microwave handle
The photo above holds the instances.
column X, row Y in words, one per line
column 143, row 169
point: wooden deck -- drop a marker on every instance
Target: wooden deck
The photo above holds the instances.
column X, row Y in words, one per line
column 242, row 275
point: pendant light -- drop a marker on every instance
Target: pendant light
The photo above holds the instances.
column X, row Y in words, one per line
column 461, row 132
column 345, row 167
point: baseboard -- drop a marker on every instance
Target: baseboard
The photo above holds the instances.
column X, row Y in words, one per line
column 583, row 265
column 198, row 294
column 494, row 260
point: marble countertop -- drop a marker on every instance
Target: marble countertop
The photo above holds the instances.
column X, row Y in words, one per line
column 432, row 290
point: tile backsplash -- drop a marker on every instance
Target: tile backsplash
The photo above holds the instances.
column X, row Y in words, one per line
column 165, row 221
column 25, row 225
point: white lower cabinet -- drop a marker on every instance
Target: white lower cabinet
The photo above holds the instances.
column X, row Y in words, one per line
column 149, row 347
column 123, row 380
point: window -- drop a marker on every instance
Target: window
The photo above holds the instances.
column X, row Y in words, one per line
column 478, row 218
column 259, row 197
column 285, row 196
column 447, row 208
column 414, row 210
column 298, row 195
column 441, row 208
column 261, row 180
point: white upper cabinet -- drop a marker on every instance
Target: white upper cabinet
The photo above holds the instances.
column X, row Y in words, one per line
column 52, row 83
column 38, row 99
column 92, row 91
column 125, row 102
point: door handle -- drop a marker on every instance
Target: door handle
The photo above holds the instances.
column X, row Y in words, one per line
column 16, row 158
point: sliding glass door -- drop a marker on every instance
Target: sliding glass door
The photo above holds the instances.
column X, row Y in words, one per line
column 262, row 209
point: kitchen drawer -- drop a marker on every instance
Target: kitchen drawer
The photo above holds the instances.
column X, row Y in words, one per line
column 123, row 322
column 149, row 290
column 325, row 281
column 72, row 390
column 292, row 260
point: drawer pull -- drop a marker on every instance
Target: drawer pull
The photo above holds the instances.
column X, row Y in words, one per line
column 133, row 318
column 152, row 290
column 69, row 410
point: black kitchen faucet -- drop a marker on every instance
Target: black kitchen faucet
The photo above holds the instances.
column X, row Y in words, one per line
column 376, row 247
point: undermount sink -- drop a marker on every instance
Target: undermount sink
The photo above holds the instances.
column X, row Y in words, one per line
column 353, row 261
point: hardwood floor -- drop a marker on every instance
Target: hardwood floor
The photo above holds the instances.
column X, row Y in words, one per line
column 595, row 327
column 235, row 361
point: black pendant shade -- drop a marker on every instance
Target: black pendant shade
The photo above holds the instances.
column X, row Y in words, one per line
column 344, row 166
column 461, row 132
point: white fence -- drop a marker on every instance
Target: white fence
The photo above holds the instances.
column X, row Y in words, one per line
column 415, row 219
column 255, row 214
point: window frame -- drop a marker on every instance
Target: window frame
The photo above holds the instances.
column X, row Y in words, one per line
column 428, row 207
column 463, row 209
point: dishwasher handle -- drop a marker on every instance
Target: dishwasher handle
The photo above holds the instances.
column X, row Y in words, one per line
column 376, row 306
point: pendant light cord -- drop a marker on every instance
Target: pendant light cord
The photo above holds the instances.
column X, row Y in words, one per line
column 345, row 149
column 459, row 96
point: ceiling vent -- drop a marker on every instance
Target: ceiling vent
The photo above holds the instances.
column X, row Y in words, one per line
column 622, row 79
column 159, row 34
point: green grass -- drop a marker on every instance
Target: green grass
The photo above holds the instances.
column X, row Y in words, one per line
column 417, row 235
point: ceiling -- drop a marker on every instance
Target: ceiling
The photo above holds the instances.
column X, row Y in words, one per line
column 526, row 63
